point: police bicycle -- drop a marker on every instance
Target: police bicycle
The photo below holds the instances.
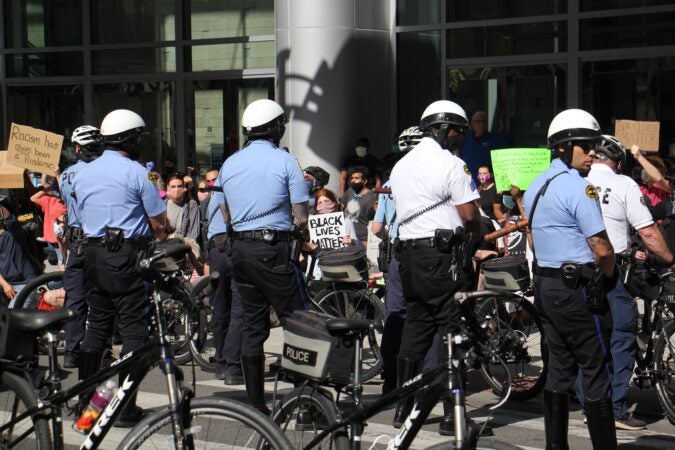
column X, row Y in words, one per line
column 312, row 418
column 655, row 360
column 26, row 413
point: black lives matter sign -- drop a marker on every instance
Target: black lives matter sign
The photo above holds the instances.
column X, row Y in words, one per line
column 325, row 230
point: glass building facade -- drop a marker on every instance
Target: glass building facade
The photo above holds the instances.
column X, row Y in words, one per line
column 189, row 67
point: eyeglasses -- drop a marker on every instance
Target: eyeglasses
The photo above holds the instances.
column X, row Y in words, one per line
column 202, row 190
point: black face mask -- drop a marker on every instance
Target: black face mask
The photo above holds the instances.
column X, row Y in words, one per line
column 357, row 187
column 454, row 143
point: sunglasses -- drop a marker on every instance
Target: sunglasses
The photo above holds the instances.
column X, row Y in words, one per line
column 202, row 190
column 587, row 146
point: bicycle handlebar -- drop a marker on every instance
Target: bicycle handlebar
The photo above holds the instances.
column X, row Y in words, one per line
column 463, row 296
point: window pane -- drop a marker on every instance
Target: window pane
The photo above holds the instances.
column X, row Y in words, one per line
column 520, row 101
column 415, row 12
column 132, row 21
column 627, row 31
column 153, row 101
column 634, row 89
column 134, row 60
column 249, row 55
column 217, row 18
column 42, row 23
column 44, row 64
column 547, row 37
column 458, row 10
column 419, row 74
column 595, row 5
column 58, row 109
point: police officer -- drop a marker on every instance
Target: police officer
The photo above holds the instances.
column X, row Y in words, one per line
column 119, row 209
column 264, row 197
column 433, row 192
column 569, row 242
column 225, row 301
column 87, row 141
column 623, row 207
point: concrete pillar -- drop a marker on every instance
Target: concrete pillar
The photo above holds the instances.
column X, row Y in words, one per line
column 334, row 66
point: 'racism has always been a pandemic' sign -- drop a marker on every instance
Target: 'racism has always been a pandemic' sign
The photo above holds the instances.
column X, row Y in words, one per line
column 34, row 149
column 325, row 230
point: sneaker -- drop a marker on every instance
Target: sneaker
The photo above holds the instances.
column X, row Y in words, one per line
column 130, row 417
column 630, row 423
column 233, row 377
column 220, row 373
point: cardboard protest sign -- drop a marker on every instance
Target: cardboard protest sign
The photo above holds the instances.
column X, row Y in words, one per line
column 518, row 166
column 641, row 133
column 34, row 149
column 11, row 176
column 325, row 230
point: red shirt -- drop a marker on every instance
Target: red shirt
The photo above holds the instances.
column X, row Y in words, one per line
column 52, row 207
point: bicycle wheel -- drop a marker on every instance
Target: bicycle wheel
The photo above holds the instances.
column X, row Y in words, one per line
column 357, row 304
column 201, row 329
column 304, row 413
column 483, row 444
column 514, row 329
column 30, row 295
column 664, row 362
column 17, row 396
column 215, row 423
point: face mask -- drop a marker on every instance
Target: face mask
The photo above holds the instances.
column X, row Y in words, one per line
column 310, row 186
column 326, row 207
column 484, row 177
column 361, row 151
column 357, row 187
column 58, row 231
column 507, row 200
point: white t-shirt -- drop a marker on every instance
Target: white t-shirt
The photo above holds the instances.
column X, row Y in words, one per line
column 424, row 177
column 622, row 205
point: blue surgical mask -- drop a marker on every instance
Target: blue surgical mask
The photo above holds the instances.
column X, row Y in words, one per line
column 310, row 186
column 507, row 200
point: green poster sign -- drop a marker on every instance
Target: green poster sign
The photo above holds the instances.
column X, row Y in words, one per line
column 518, row 166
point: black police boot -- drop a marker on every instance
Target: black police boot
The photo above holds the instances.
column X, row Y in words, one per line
column 600, row 415
column 89, row 362
column 406, row 369
column 556, row 419
column 253, row 367
column 132, row 413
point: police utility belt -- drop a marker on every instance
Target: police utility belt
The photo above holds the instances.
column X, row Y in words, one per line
column 574, row 275
column 444, row 241
column 114, row 240
column 265, row 235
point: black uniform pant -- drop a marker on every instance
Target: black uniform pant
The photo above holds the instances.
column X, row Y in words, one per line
column 576, row 338
column 226, row 307
column 114, row 289
column 264, row 277
column 428, row 287
column 76, row 298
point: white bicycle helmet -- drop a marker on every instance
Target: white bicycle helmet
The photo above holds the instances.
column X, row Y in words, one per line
column 86, row 135
column 572, row 125
column 612, row 148
column 409, row 138
column 263, row 117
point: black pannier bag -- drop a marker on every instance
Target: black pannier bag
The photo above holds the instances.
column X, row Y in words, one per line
column 344, row 264
column 15, row 344
column 309, row 350
column 510, row 273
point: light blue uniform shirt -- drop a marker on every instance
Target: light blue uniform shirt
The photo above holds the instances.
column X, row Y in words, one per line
column 214, row 216
column 565, row 216
column 66, row 185
column 115, row 191
column 260, row 182
column 386, row 213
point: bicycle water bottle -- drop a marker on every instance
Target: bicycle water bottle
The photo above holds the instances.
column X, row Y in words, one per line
column 104, row 393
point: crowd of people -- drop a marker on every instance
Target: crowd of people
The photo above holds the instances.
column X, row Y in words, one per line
column 98, row 209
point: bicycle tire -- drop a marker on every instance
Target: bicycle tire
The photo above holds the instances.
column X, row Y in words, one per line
column 318, row 410
column 664, row 365
column 357, row 304
column 515, row 329
column 201, row 345
column 29, row 291
column 221, row 417
column 16, row 396
column 483, row 444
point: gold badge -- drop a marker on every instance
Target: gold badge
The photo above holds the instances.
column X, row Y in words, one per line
column 153, row 177
column 591, row 192
column 466, row 169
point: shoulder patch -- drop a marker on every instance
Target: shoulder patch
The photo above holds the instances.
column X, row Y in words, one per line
column 642, row 200
column 466, row 170
column 591, row 192
column 153, row 177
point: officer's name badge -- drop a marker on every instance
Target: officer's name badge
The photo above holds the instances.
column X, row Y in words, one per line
column 591, row 192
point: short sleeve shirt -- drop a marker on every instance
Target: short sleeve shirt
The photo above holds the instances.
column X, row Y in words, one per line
column 427, row 175
column 66, row 186
column 386, row 212
column 114, row 191
column 260, row 182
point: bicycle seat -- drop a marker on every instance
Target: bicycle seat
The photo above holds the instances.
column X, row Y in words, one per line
column 34, row 320
column 344, row 326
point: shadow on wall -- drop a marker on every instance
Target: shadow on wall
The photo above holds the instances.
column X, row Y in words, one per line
column 342, row 101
